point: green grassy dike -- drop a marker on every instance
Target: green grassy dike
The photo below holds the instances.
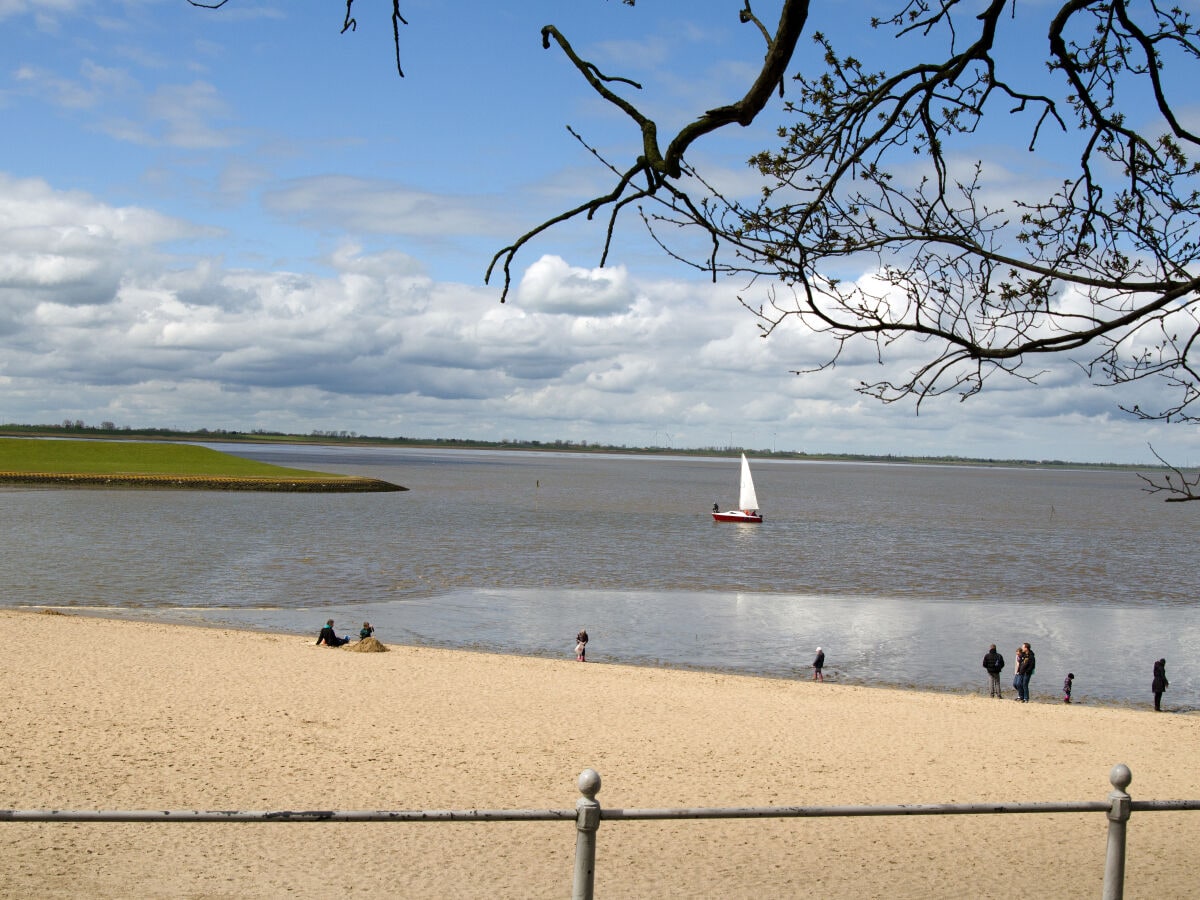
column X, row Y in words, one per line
column 131, row 464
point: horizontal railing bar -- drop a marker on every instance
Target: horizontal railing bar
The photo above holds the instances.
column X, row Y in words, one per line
column 552, row 815
column 936, row 809
column 311, row 815
column 784, row 812
column 1163, row 805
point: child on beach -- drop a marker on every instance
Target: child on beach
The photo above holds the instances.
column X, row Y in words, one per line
column 366, row 631
column 1067, row 687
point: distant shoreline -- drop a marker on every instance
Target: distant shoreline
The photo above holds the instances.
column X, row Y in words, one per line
column 580, row 447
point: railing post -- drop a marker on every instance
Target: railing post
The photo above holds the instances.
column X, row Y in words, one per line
column 587, row 823
column 1118, row 816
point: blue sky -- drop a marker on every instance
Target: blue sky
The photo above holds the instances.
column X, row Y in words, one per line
column 241, row 218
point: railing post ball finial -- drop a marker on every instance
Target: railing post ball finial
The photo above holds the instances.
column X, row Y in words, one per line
column 589, row 783
column 1120, row 777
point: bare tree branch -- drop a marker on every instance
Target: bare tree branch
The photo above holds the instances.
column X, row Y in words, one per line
column 876, row 222
column 1175, row 483
column 653, row 164
column 351, row 24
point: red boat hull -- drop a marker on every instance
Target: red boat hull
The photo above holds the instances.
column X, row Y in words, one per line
column 737, row 515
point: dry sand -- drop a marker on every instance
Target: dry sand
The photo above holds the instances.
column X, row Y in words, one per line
column 102, row 714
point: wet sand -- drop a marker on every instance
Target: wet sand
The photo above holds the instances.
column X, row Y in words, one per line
column 104, row 714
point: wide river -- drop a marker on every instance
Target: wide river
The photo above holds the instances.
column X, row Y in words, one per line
column 902, row 573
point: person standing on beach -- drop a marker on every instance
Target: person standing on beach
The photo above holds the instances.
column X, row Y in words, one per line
column 1067, row 687
column 994, row 663
column 328, row 638
column 581, row 640
column 818, row 665
column 1026, row 663
column 1160, row 683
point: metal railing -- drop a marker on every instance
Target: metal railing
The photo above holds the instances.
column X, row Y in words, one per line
column 588, row 814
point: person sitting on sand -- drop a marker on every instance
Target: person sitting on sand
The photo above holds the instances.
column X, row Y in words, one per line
column 328, row 638
column 366, row 631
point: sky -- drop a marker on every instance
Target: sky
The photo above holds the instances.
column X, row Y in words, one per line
column 245, row 219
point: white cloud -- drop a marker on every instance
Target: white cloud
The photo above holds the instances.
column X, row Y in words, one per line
column 65, row 248
column 625, row 374
column 368, row 206
column 550, row 285
column 69, row 93
column 44, row 10
column 190, row 116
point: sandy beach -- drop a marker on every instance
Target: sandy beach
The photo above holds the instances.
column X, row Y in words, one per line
column 104, row 714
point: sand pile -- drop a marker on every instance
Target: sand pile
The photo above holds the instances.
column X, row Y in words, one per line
column 367, row 645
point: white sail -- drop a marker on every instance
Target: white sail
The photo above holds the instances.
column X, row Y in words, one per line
column 747, row 499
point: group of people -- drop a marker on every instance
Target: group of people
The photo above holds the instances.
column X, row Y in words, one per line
column 993, row 662
column 330, row 639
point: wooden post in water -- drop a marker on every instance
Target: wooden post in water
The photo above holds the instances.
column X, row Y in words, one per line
column 587, row 823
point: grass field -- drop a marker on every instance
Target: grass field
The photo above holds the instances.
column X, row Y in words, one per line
column 133, row 458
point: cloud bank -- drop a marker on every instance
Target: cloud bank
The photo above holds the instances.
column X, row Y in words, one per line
column 101, row 321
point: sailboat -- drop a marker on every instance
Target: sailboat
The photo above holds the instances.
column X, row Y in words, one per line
column 747, row 510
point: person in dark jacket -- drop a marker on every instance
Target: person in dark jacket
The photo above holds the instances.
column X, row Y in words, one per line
column 1160, row 683
column 818, row 665
column 994, row 663
column 1025, row 666
column 328, row 638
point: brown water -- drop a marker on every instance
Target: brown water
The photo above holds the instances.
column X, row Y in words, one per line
column 903, row 573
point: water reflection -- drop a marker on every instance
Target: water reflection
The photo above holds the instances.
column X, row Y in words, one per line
column 907, row 643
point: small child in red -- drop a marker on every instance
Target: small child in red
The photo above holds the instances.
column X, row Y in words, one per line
column 1067, row 687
